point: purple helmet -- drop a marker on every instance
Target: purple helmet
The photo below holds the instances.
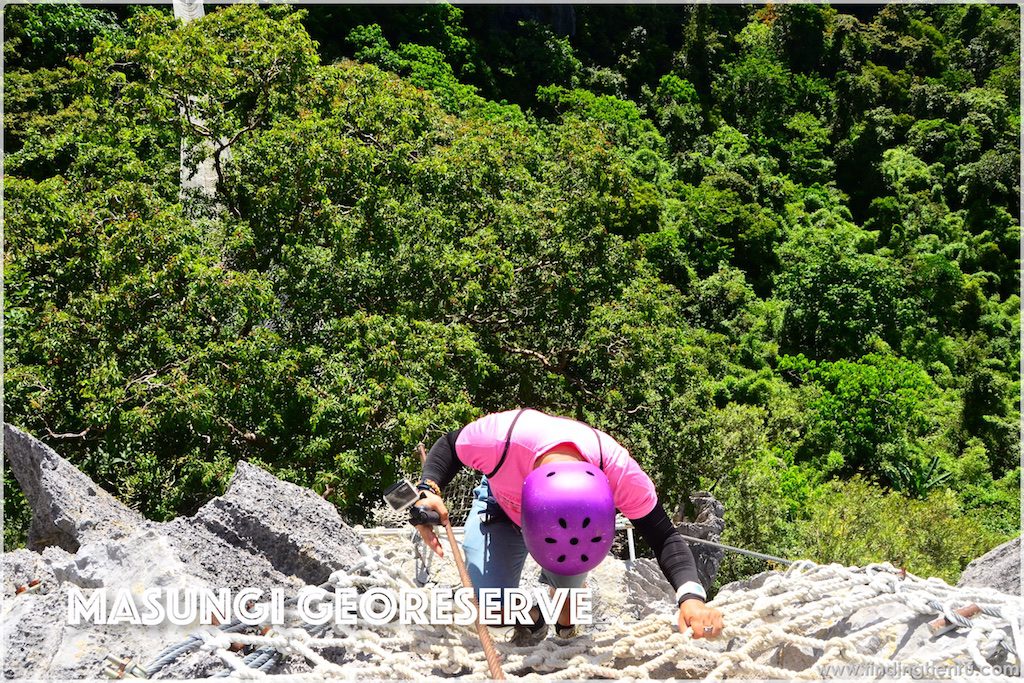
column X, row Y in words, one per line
column 568, row 516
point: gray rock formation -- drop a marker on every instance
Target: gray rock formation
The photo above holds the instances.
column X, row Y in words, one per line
column 999, row 568
column 263, row 533
column 647, row 589
column 68, row 509
column 703, row 518
column 297, row 531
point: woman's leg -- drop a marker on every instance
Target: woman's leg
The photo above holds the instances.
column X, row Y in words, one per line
column 560, row 581
column 494, row 547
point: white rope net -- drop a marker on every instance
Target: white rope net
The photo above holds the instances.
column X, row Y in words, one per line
column 789, row 613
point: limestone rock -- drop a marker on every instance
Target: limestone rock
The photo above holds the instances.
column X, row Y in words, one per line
column 297, row 531
column 999, row 568
column 750, row 583
column 705, row 520
column 68, row 508
column 32, row 634
column 22, row 566
column 213, row 559
column 648, row 590
column 263, row 533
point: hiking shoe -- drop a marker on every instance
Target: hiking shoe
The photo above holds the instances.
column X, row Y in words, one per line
column 525, row 635
column 567, row 632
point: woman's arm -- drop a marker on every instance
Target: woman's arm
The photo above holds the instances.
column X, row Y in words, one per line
column 442, row 463
column 673, row 553
column 439, row 468
column 676, row 561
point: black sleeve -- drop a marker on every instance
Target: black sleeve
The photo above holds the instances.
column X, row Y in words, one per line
column 671, row 549
column 442, row 463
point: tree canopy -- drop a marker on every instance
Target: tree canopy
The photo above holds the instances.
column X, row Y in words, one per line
column 773, row 251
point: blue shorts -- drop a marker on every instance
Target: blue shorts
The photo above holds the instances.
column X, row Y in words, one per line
column 495, row 550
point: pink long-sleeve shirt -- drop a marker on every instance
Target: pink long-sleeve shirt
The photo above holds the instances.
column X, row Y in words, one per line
column 480, row 445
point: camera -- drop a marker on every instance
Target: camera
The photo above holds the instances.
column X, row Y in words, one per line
column 401, row 495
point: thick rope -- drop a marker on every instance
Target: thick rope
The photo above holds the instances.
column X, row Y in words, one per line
column 795, row 609
column 493, row 662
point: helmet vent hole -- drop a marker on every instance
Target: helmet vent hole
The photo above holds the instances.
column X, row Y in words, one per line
column 574, row 541
column 595, row 539
column 550, row 474
column 586, row 522
column 591, row 473
column 561, row 558
column 584, row 558
column 550, row 540
column 561, row 523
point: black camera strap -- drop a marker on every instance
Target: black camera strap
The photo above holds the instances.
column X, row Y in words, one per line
column 508, row 441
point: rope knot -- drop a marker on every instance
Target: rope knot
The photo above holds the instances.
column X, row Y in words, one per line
column 839, row 644
column 299, row 635
column 213, row 641
column 764, row 606
column 884, row 583
column 996, row 639
column 731, row 658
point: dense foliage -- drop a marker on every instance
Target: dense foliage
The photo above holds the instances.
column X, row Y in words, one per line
column 772, row 250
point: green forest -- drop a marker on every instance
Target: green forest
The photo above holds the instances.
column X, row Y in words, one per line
column 771, row 249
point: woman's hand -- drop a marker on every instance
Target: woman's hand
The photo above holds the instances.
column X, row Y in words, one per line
column 433, row 502
column 695, row 614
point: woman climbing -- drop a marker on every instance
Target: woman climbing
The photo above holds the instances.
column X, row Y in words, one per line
column 550, row 488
